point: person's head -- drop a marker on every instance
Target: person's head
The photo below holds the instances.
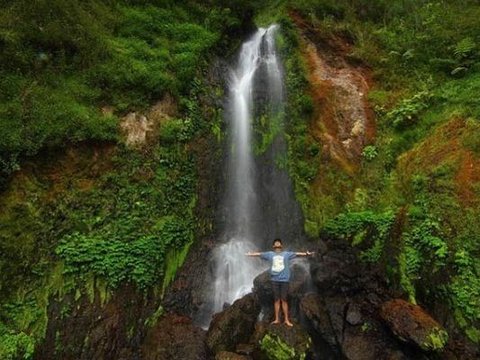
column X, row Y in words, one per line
column 277, row 244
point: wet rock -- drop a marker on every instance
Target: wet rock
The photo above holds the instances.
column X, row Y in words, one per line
column 174, row 337
column 321, row 248
column 361, row 344
column 263, row 289
column 374, row 299
column 354, row 316
column 336, row 306
column 336, row 272
column 314, row 310
column 283, row 342
column 411, row 323
column 347, row 332
column 105, row 328
column 245, row 349
column 234, row 325
column 227, row 355
column 358, row 347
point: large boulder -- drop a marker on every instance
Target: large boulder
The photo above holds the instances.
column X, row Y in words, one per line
column 173, row 337
column 337, row 272
column 369, row 344
column 348, row 331
column 262, row 287
column 279, row 342
column 315, row 312
column 234, row 325
column 412, row 324
column 298, row 281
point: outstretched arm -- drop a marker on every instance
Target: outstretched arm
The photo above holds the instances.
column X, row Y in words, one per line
column 250, row 253
column 306, row 253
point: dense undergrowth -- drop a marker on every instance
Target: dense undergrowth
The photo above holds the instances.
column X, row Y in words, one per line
column 107, row 216
column 62, row 61
column 412, row 208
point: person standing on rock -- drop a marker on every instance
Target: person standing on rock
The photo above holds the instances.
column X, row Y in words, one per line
column 280, row 276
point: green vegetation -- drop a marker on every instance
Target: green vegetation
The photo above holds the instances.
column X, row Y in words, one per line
column 15, row 345
column 107, row 215
column 276, row 349
column 369, row 152
column 267, row 128
column 436, row 340
column 121, row 229
column 303, row 149
column 101, row 215
column 413, row 206
column 63, row 60
column 368, row 229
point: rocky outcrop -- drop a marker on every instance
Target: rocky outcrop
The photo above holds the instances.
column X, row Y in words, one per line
column 317, row 314
column 174, row 337
column 348, row 330
column 411, row 323
column 344, row 121
column 342, row 313
column 337, row 271
column 234, row 325
column 298, row 285
column 97, row 328
column 138, row 128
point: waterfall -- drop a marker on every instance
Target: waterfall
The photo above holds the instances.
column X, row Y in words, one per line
column 259, row 203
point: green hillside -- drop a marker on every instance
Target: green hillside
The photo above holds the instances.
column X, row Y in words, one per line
column 84, row 216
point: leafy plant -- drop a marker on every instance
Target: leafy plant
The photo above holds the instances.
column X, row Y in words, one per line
column 370, row 152
column 406, row 113
column 363, row 227
column 15, row 345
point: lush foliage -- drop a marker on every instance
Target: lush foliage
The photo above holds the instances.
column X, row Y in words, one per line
column 368, row 229
column 425, row 60
column 275, row 348
column 107, row 214
column 15, row 345
column 117, row 216
column 63, row 61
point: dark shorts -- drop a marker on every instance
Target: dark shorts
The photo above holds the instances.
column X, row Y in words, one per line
column 280, row 290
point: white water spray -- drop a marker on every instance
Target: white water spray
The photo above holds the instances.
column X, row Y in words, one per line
column 234, row 271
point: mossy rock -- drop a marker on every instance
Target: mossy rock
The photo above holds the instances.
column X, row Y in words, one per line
column 412, row 324
column 283, row 343
column 435, row 340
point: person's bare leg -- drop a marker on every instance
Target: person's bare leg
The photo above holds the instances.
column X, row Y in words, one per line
column 276, row 306
column 285, row 313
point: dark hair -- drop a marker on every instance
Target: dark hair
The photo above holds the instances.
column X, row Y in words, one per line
column 276, row 240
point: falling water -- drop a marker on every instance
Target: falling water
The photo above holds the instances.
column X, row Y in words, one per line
column 259, row 203
column 234, row 272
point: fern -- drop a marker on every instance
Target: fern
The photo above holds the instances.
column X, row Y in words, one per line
column 464, row 48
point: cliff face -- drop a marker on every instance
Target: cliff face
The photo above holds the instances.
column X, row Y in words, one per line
column 105, row 243
column 93, row 233
column 406, row 198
